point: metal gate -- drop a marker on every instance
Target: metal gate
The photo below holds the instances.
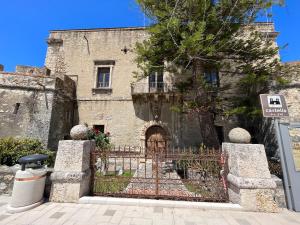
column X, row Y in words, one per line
column 288, row 136
column 179, row 174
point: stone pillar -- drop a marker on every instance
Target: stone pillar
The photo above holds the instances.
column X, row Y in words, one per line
column 249, row 179
column 71, row 176
column 1, row 68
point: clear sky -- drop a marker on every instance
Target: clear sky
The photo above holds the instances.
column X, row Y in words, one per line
column 24, row 25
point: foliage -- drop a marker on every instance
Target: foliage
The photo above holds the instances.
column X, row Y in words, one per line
column 12, row 149
column 103, row 145
column 101, row 139
column 191, row 36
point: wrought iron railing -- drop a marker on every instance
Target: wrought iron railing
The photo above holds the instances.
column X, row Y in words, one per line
column 178, row 174
column 152, row 87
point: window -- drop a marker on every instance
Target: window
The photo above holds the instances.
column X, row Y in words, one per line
column 103, row 71
column 212, row 77
column 156, row 81
column 103, row 77
column 99, row 128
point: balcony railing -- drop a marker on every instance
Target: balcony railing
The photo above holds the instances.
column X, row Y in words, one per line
column 102, row 84
column 152, row 87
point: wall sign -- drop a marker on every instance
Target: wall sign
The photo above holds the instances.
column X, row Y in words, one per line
column 273, row 105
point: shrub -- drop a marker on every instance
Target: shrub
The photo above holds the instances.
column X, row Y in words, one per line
column 12, row 149
column 101, row 139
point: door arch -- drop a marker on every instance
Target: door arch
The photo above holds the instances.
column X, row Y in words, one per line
column 156, row 140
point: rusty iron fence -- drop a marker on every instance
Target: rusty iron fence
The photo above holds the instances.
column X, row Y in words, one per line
column 177, row 173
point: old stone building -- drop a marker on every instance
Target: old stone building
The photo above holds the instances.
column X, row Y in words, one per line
column 42, row 103
column 32, row 104
column 101, row 62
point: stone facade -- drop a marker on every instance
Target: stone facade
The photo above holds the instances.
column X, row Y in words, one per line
column 125, row 106
column 37, row 106
column 114, row 107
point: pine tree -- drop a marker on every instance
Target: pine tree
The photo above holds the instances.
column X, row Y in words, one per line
column 192, row 36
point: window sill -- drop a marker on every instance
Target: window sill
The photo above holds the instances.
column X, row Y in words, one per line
column 101, row 90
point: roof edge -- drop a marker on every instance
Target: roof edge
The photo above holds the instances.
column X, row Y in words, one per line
column 129, row 28
column 99, row 29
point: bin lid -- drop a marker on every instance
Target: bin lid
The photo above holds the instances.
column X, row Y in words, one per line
column 33, row 158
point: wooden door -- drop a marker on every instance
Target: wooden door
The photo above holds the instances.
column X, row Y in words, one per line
column 156, row 140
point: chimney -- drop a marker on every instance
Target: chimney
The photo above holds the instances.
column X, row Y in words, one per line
column 1, row 68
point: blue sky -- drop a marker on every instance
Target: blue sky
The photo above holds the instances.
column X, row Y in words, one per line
column 24, row 25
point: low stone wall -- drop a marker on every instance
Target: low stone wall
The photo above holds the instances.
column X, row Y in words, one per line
column 279, row 194
column 7, row 176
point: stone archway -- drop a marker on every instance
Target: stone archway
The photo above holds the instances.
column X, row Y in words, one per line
column 150, row 124
column 155, row 130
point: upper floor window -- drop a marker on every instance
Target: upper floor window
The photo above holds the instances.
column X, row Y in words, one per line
column 103, row 77
column 156, row 81
column 212, row 77
column 103, row 74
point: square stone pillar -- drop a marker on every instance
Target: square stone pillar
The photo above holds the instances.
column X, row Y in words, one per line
column 249, row 179
column 71, row 176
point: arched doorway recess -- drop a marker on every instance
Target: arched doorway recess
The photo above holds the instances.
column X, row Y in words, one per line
column 156, row 140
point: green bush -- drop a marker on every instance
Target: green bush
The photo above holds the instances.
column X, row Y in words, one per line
column 12, row 149
column 101, row 139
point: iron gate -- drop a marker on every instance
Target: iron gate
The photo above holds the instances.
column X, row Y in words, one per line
column 179, row 174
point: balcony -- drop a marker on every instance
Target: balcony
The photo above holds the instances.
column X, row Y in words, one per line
column 151, row 88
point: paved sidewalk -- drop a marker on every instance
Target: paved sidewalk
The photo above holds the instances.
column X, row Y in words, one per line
column 88, row 214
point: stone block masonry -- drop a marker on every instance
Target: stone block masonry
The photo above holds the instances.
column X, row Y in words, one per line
column 71, row 176
column 36, row 106
column 249, row 180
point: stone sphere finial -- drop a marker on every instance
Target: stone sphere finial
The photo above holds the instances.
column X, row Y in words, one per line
column 239, row 135
column 79, row 132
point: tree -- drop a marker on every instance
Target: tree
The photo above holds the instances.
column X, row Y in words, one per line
column 191, row 36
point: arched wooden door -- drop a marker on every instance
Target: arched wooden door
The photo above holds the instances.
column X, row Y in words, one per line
column 156, row 141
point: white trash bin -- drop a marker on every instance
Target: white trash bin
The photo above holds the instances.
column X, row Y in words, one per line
column 28, row 186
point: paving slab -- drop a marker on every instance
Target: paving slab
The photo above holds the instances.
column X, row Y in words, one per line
column 93, row 214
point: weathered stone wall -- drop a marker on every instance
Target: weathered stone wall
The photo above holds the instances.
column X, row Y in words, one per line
column 76, row 52
column 291, row 91
column 36, row 106
column 30, row 70
column 7, row 176
column 126, row 120
column 279, row 195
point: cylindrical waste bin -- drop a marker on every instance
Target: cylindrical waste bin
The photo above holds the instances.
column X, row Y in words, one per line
column 29, row 184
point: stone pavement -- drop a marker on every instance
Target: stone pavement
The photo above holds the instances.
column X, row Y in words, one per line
column 88, row 214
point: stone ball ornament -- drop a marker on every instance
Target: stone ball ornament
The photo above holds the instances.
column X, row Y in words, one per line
column 79, row 132
column 239, row 135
